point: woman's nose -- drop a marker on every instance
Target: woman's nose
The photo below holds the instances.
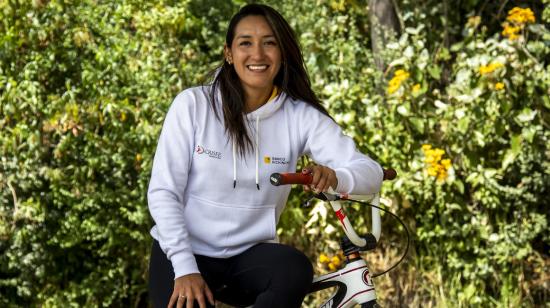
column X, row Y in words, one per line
column 258, row 51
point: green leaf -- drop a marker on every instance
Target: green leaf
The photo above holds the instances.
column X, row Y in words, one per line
column 526, row 115
column 435, row 72
column 403, row 109
column 546, row 101
column 459, row 185
column 444, row 54
column 516, row 144
column 529, row 132
column 509, row 157
column 417, row 123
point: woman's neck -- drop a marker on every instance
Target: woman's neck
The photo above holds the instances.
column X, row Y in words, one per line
column 256, row 98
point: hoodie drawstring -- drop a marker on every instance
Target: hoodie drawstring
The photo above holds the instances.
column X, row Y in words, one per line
column 274, row 94
column 234, row 165
column 257, row 151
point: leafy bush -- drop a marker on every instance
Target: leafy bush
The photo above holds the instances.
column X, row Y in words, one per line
column 461, row 113
column 85, row 90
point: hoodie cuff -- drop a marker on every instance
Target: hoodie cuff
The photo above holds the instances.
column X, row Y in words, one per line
column 184, row 264
column 345, row 181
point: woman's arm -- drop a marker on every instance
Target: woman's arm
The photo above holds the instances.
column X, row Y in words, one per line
column 326, row 144
column 168, row 182
column 165, row 196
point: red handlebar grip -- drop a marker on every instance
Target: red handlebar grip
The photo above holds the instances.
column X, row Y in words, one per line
column 299, row 178
column 389, row 174
column 290, row 178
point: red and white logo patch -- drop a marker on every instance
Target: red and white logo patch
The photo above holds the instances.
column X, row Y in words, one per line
column 367, row 279
column 211, row 153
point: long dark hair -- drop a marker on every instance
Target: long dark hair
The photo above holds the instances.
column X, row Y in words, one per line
column 292, row 77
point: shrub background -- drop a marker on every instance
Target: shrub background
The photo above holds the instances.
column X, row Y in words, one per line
column 84, row 87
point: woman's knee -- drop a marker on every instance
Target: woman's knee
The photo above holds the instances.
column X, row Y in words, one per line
column 294, row 269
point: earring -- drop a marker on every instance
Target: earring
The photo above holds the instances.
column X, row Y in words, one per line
column 229, row 61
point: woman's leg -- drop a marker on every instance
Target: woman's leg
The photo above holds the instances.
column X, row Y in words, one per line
column 274, row 275
column 161, row 275
column 278, row 275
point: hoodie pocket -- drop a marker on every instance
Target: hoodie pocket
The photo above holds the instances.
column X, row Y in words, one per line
column 215, row 226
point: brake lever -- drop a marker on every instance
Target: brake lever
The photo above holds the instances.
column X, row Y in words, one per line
column 307, row 203
column 321, row 196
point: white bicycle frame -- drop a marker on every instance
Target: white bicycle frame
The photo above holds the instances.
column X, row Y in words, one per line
column 354, row 283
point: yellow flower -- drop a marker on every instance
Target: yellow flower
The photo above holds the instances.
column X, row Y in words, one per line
column 394, row 86
column 335, row 260
column 332, row 267
column 401, row 74
column 416, row 88
column 426, row 147
column 442, row 176
column 435, row 165
column 520, row 16
column 123, row 116
column 511, row 31
column 323, row 258
column 432, row 171
column 139, row 158
column 499, row 86
column 398, row 78
column 438, row 153
column 487, row 69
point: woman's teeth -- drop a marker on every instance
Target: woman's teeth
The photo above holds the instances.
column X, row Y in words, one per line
column 257, row 67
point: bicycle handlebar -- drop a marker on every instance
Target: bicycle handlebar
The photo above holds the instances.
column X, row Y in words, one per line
column 304, row 179
column 367, row 242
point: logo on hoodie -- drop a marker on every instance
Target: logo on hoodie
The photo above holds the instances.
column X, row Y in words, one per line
column 211, row 153
column 275, row 160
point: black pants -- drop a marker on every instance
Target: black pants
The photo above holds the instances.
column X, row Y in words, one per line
column 266, row 275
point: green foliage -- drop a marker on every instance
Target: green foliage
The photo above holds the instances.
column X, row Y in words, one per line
column 485, row 223
column 84, row 91
column 84, row 88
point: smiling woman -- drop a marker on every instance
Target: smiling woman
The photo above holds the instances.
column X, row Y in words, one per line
column 256, row 57
column 209, row 194
column 258, row 33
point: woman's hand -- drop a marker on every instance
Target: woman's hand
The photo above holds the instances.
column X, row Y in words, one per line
column 188, row 289
column 323, row 178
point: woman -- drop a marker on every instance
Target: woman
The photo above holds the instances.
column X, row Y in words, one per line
column 209, row 194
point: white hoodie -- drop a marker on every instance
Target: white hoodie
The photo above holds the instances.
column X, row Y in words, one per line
column 192, row 198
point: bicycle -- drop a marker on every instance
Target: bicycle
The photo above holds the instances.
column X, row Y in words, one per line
column 353, row 281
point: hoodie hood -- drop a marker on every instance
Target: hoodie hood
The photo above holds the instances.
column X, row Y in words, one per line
column 273, row 104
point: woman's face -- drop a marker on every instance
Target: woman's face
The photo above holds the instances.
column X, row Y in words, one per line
column 255, row 54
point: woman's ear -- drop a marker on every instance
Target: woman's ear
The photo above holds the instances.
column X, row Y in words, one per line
column 227, row 54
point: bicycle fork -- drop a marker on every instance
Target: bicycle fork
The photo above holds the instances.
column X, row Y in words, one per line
column 354, row 286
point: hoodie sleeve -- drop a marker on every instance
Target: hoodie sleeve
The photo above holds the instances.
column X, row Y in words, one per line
column 326, row 144
column 169, row 175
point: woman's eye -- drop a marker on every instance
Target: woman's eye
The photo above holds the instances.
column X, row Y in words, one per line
column 271, row 43
column 244, row 43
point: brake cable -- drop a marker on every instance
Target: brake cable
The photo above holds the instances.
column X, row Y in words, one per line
column 402, row 224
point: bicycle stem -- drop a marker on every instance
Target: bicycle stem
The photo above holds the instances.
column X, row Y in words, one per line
column 376, row 227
